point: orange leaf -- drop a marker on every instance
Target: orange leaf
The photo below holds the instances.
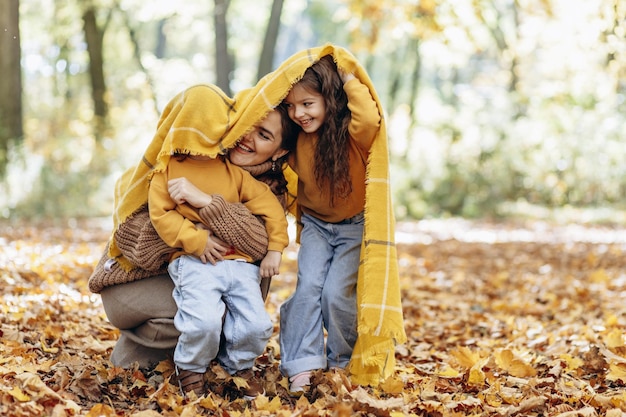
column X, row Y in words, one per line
column 101, row 410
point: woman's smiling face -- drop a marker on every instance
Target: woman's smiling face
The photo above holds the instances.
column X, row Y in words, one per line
column 261, row 143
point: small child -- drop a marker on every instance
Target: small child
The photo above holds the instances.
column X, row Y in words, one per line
column 339, row 121
column 218, row 297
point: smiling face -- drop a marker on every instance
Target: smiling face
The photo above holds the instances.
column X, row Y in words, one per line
column 306, row 108
column 261, row 143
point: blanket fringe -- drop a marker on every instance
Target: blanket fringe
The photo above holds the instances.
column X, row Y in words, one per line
column 374, row 362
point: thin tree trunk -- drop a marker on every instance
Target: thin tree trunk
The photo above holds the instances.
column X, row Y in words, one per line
column 414, row 47
column 266, row 60
column 11, row 123
column 223, row 60
column 93, row 38
column 159, row 50
column 137, row 51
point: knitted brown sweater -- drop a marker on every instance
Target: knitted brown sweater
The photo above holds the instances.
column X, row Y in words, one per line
column 139, row 242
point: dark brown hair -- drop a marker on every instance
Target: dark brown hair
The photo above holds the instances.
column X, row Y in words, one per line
column 275, row 177
column 289, row 130
column 331, row 153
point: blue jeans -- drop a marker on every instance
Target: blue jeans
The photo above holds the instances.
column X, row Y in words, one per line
column 212, row 299
column 325, row 297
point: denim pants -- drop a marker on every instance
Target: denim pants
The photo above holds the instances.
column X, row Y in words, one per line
column 212, row 299
column 325, row 297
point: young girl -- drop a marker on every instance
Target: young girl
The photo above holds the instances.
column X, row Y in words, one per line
column 339, row 120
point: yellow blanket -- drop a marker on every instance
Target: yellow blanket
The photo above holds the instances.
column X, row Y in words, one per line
column 204, row 121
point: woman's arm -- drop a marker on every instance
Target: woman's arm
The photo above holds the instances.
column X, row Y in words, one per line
column 237, row 226
column 231, row 222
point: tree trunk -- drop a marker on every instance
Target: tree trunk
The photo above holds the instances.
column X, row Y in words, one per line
column 11, row 123
column 223, row 60
column 93, row 38
column 414, row 46
column 159, row 51
column 266, row 60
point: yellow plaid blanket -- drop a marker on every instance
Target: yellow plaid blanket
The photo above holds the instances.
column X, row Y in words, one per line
column 202, row 120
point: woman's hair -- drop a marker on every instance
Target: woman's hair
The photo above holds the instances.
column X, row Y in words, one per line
column 289, row 130
column 275, row 177
column 331, row 153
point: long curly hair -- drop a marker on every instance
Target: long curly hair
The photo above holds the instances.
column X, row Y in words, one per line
column 331, row 153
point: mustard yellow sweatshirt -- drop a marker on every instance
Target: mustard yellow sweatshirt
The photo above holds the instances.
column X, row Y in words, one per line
column 175, row 223
column 363, row 128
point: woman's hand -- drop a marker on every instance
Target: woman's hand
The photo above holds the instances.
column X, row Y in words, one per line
column 270, row 264
column 183, row 191
column 215, row 248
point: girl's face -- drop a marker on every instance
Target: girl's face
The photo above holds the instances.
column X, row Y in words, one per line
column 261, row 143
column 306, row 108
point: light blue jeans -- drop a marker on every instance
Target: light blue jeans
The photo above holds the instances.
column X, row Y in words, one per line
column 203, row 293
column 325, row 297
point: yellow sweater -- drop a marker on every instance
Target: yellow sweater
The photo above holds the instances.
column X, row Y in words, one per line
column 363, row 128
column 175, row 223
column 206, row 113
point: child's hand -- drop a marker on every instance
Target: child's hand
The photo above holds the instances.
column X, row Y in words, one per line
column 183, row 191
column 270, row 264
column 345, row 76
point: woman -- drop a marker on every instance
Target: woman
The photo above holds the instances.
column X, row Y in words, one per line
column 138, row 299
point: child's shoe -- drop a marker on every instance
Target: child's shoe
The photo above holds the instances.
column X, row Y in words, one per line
column 189, row 381
column 255, row 387
column 299, row 382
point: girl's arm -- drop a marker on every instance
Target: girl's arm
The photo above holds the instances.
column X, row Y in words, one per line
column 366, row 119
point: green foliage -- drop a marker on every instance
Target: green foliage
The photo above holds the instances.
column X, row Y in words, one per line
column 489, row 103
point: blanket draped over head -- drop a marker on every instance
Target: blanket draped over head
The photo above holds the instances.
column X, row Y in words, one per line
column 202, row 120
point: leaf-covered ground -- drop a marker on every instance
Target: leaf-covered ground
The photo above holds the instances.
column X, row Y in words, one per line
column 503, row 320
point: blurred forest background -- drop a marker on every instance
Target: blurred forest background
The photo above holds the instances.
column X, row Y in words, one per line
column 495, row 107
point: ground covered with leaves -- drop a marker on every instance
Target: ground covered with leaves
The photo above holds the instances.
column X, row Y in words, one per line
column 502, row 319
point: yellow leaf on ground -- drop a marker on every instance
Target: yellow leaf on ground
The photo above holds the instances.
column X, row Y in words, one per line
column 614, row 339
column 515, row 366
column 19, row 395
column 573, row 363
column 476, row 376
column 465, row 356
column 617, row 372
column 262, row 403
column 448, row 372
column 392, row 385
column 208, row 403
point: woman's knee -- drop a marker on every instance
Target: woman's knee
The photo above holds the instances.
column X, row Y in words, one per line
column 129, row 305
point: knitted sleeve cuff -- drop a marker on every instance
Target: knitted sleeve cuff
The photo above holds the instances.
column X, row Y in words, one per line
column 140, row 243
column 237, row 226
column 108, row 272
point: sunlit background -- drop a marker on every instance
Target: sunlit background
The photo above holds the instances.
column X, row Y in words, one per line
column 495, row 107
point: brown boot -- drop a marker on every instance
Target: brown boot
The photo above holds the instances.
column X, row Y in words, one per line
column 255, row 386
column 190, row 381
